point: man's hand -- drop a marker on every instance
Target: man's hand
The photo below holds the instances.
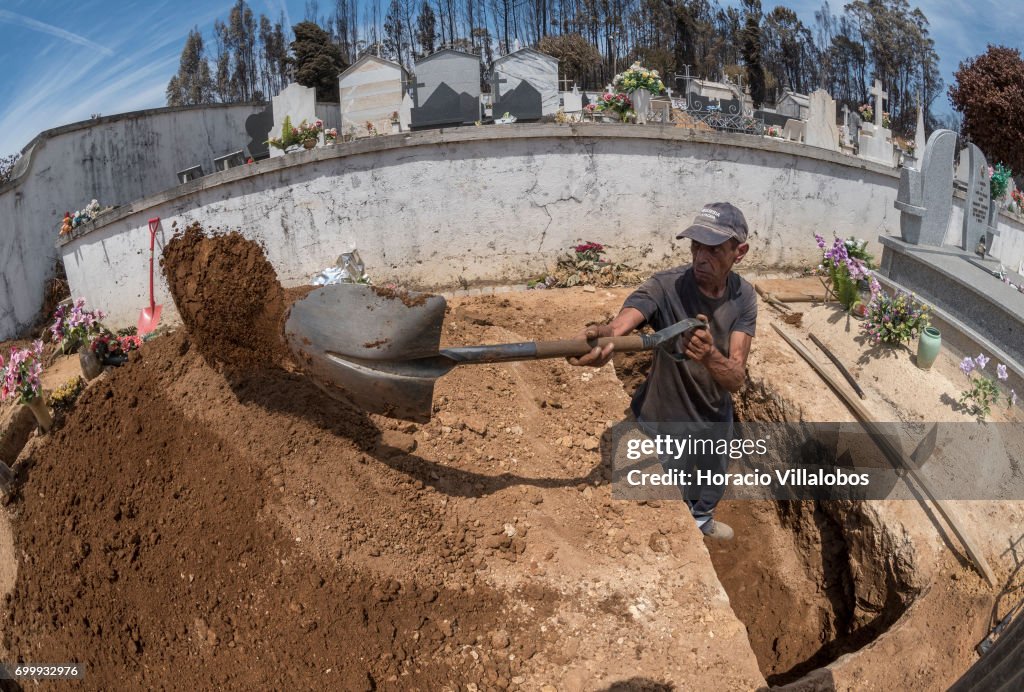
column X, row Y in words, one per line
column 598, row 356
column 626, row 321
column 697, row 343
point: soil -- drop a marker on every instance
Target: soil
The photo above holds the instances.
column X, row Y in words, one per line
column 228, row 297
column 206, row 516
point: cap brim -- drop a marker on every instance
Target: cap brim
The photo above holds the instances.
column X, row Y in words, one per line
column 705, row 235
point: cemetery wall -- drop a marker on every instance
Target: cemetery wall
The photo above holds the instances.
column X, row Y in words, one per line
column 1007, row 247
column 438, row 208
column 113, row 159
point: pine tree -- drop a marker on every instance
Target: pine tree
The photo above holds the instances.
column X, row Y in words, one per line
column 751, row 50
column 316, row 60
column 192, row 84
column 426, row 35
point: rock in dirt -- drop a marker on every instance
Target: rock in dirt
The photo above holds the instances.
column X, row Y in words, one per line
column 396, row 442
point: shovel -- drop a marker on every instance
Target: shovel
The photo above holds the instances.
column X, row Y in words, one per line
column 380, row 349
column 150, row 317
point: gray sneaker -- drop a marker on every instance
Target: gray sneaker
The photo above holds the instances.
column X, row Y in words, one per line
column 718, row 530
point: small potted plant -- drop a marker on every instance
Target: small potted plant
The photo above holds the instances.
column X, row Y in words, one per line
column 19, row 378
column 331, row 135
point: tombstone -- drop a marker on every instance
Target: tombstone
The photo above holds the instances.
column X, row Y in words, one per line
column 371, row 90
column 572, row 101
column 875, row 142
column 963, row 166
column 925, row 197
column 853, row 125
column 978, row 205
column 525, row 84
column 820, row 129
column 793, row 130
column 446, row 90
column 296, row 102
column 258, row 126
column 793, row 105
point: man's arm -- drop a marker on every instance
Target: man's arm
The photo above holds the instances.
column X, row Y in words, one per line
column 729, row 373
column 625, row 322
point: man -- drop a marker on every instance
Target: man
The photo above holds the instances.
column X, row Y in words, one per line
column 696, row 388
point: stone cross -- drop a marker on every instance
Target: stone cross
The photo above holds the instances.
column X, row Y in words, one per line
column 879, row 95
column 565, row 83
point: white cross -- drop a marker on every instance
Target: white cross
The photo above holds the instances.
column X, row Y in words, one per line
column 879, row 94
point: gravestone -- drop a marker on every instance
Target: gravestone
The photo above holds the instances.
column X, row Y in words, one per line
column 370, row 90
column 525, row 84
column 296, row 102
column 820, row 129
column 875, row 143
column 572, row 101
column 978, row 205
column 258, row 127
column 446, row 89
column 793, row 130
column 925, row 196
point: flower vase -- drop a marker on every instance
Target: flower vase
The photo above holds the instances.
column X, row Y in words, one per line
column 641, row 105
column 928, row 346
column 38, row 407
column 91, row 367
column 309, row 144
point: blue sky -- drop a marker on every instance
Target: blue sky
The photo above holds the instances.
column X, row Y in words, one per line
column 64, row 60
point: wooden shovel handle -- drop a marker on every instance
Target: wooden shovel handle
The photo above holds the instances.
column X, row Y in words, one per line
column 581, row 347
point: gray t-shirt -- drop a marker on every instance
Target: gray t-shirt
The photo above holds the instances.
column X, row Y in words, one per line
column 685, row 391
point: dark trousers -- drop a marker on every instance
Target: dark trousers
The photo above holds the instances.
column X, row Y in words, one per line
column 702, row 499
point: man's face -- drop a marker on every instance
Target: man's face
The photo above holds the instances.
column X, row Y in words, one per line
column 712, row 263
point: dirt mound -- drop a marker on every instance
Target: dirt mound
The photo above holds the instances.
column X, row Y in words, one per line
column 154, row 529
column 228, row 296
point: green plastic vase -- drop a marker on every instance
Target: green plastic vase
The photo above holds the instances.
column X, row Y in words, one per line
column 928, row 347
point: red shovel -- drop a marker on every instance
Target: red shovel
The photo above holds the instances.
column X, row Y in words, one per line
column 149, row 318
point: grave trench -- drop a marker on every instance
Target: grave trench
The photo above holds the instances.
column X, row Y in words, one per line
column 810, row 580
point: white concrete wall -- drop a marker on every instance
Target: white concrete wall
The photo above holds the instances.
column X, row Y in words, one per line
column 498, row 205
column 1007, row 247
column 115, row 160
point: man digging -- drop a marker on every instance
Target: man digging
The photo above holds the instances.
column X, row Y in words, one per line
column 697, row 388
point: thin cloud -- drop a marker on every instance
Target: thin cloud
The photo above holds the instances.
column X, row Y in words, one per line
column 36, row 25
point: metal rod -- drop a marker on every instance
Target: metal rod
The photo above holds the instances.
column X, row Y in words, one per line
column 842, row 368
column 896, row 457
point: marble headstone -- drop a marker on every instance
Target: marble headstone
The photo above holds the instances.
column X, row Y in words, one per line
column 794, row 130
column 572, row 101
column 875, row 142
column 978, row 206
column 296, row 102
column 821, row 130
column 925, row 197
column 537, row 70
column 370, row 90
column 446, row 89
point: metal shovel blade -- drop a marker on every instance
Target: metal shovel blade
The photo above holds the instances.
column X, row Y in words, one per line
column 352, row 339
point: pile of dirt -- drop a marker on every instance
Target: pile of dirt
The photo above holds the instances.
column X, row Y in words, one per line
column 228, row 296
column 150, row 535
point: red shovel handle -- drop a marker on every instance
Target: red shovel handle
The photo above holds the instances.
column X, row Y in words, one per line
column 154, row 223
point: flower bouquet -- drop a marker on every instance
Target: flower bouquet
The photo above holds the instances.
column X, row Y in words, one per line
column 618, row 105
column 112, row 349
column 638, row 77
column 19, row 378
column 893, row 319
column 73, row 324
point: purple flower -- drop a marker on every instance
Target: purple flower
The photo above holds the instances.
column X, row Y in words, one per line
column 1001, row 371
column 967, row 366
column 982, row 361
column 821, row 241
